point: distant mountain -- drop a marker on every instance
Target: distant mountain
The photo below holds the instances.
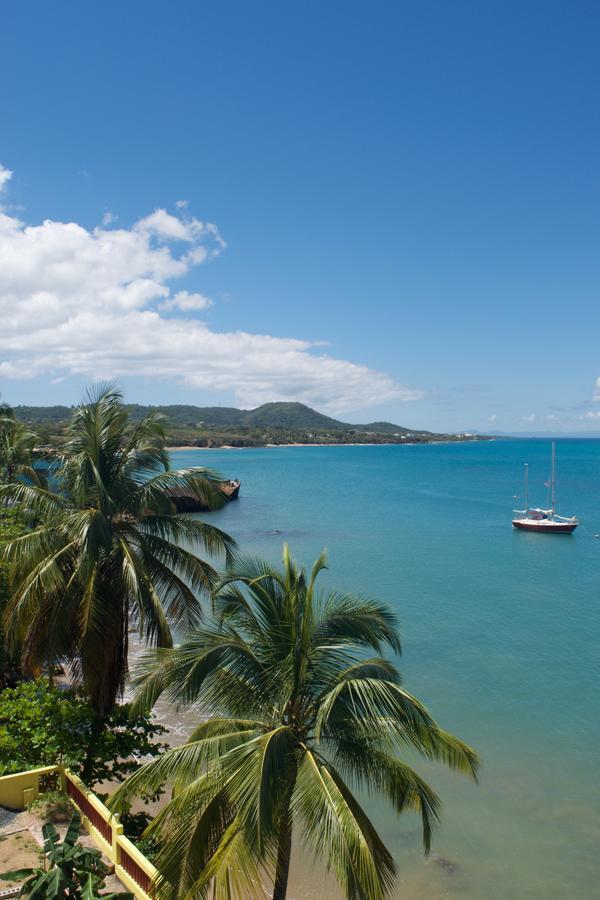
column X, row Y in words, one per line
column 193, row 416
column 384, row 428
column 288, row 416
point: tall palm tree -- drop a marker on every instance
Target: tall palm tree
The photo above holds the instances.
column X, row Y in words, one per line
column 17, row 444
column 108, row 550
column 303, row 715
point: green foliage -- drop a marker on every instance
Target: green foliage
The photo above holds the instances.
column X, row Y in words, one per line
column 17, row 443
column 286, row 416
column 271, row 423
column 149, row 846
column 109, row 550
column 307, row 710
column 71, row 870
column 41, row 725
column 11, row 526
column 277, row 415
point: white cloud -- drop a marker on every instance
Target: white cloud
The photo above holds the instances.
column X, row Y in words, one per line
column 492, row 418
column 551, row 417
column 182, row 204
column 591, row 415
column 75, row 301
column 597, row 389
column 108, row 218
column 166, row 227
column 529, row 418
column 186, row 302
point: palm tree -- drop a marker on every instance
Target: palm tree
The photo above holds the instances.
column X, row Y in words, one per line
column 303, row 715
column 107, row 551
column 16, row 448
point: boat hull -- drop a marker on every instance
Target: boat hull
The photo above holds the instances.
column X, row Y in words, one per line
column 546, row 527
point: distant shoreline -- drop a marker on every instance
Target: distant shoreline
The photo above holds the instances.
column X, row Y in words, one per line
column 329, row 444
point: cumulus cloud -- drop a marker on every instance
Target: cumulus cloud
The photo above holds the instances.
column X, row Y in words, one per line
column 492, row 418
column 186, row 302
column 90, row 302
column 529, row 418
column 591, row 415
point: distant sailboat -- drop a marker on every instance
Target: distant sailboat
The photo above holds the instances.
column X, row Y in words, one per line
column 545, row 520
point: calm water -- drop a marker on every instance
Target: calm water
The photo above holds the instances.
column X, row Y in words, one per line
column 500, row 635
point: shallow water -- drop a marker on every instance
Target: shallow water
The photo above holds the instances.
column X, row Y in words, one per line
column 500, row 636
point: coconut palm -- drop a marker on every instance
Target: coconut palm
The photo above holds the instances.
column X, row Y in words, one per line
column 107, row 551
column 306, row 709
column 16, row 448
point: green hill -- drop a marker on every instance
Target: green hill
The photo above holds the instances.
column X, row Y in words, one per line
column 217, row 426
column 289, row 416
column 193, row 416
column 385, row 428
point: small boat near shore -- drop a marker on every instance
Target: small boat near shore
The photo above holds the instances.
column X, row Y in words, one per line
column 546, row 521
column 186, row 502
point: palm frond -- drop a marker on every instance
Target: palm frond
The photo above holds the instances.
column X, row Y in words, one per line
column 337, row 829
column 301, row 713
column 180, row 767
column 107, row 549
column 357, row 620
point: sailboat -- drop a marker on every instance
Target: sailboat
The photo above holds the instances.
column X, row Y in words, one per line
column 545, row 520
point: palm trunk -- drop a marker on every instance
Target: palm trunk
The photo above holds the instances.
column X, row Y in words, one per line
column 284, row 855
column 98, row 724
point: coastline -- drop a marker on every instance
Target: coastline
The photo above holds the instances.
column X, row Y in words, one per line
column 272, row 446
column 324, row 444
column 193, row 447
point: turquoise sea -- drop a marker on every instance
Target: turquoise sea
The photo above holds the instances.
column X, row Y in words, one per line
column 500, row 637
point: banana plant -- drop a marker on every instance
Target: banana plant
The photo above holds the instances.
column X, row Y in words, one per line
column 70, row 869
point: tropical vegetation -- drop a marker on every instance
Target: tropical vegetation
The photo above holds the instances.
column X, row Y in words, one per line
column 70, row 870
column 107, row 551
column 44, row 725
column 306, row 709
column 307, row 714
column 17, row 448
column 215, row 426
column 12, row 525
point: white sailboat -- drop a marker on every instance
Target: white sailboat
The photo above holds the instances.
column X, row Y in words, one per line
column 544, row 520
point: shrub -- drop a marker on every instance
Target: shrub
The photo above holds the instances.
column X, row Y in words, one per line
column 53, row 806
column 42, row 725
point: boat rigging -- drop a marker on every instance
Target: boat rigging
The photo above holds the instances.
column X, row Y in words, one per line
column 544, row 520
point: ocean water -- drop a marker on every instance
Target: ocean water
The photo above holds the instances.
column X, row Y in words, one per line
column 501, row 640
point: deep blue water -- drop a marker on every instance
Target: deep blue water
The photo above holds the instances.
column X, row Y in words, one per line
column 500, row 637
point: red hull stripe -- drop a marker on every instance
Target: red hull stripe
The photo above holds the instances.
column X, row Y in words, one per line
column 547, row 529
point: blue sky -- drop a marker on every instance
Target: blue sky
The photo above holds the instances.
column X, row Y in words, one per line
column 405, row 199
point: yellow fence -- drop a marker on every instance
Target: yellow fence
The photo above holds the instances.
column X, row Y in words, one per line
column 131, row 867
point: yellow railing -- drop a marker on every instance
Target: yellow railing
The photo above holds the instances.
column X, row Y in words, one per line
column 131, row 867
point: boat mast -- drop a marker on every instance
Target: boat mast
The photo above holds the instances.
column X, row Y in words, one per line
column 526, row 487
column 553, row 482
